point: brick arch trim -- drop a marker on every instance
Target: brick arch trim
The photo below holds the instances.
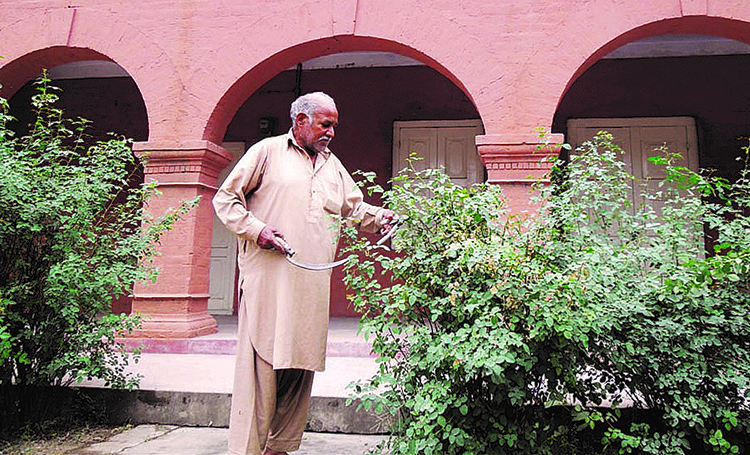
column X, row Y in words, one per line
column 67, row 34
column 253, row 79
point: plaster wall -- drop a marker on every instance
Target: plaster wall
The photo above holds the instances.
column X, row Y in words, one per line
column 187, row 56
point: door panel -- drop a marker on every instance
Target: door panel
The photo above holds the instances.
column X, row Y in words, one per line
column 454, row 151
column 620, row 136
column 640, row 139
column 223, row 251
column 651, row 139
column 418, row 144
column 447, row 144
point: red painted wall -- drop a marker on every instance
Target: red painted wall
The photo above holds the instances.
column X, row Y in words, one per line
column 713, row 90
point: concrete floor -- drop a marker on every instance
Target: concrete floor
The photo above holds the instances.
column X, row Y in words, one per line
column 206, row 364
column 172, row 440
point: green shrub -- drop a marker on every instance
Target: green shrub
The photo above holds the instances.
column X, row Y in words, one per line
column 73, row 235
column 594, row 326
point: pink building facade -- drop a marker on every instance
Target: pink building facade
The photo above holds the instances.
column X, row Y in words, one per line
column 192, row 81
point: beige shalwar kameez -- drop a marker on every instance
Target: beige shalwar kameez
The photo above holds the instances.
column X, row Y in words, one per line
column 283, row 309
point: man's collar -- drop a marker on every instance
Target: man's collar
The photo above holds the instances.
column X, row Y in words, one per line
column 293, row 141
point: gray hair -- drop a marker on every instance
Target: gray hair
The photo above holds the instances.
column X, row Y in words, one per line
column 310, row 103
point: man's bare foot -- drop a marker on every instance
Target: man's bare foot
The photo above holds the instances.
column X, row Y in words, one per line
column 273, row 452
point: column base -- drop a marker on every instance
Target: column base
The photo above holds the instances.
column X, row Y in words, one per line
column 173, row 316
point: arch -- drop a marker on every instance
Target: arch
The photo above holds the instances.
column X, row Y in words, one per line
column 253, row 79
column 67, row 34
column 703, row 25
column 18, row 72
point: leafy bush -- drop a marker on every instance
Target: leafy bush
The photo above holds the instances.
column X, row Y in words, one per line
column 595, row 326
column 73, row 235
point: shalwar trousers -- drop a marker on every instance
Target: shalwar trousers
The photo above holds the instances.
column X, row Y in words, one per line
column 269, row 407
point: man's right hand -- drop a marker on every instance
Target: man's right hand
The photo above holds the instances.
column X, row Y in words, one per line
column 267, row 239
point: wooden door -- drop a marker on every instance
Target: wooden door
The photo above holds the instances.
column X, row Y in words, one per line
column 640, row 139
column 223, row 251
column 447, row 144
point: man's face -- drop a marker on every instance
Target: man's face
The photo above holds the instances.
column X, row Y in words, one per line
column 315, row 135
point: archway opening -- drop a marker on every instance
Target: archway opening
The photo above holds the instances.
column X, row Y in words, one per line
column 97, row 90
column 684, row 90
column 377, row 92
column 672, row 75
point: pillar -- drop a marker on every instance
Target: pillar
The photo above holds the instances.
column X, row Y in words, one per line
column 176, row 305
column 517, row 162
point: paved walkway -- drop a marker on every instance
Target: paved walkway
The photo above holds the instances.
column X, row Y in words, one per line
column 173, row 440
column 206, row 364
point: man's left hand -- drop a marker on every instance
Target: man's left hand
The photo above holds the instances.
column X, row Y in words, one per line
column 388, row 219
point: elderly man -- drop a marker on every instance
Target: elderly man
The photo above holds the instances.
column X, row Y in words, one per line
column 286, row 186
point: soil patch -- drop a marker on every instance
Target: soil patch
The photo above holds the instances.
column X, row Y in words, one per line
column 60, row 443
